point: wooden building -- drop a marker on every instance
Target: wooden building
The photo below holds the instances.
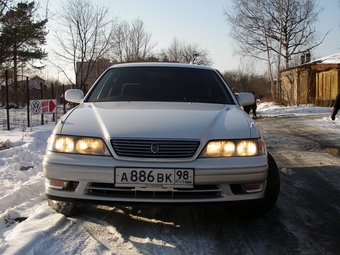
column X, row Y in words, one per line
column 92, row 70
column 316, row 82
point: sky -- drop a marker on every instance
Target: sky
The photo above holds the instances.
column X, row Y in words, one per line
column 42, row 230
column 203, row 22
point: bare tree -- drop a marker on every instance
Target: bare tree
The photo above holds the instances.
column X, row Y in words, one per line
column 181, row 52
column 85, row 36
column 245, row 81
column 173, row 53
column 132, row 42
column 272, row 30
column 294, row 27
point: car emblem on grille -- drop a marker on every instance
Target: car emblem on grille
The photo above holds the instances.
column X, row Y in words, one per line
column 154, row 147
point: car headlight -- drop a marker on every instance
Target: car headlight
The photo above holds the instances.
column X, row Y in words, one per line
column 78, row 145
column 234, row 148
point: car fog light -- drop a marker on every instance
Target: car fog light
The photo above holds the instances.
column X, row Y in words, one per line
column 253, row 187
column 55, row 184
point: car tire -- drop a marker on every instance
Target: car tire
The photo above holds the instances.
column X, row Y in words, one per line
column 66, row 208
column 257, row 209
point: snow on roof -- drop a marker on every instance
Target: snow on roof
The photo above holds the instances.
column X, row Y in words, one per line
column 331, row 59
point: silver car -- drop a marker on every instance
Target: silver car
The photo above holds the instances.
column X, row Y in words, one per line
column 159, row 134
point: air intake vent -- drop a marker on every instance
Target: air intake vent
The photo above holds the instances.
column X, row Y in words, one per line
column 198, row 192
column 155, row 148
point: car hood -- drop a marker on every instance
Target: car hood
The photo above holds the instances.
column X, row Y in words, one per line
column 157, row 120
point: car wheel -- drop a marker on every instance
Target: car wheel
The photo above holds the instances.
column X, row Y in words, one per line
column 256, row 209
column 66, row 208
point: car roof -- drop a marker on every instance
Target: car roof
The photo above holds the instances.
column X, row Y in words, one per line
column 161, row 64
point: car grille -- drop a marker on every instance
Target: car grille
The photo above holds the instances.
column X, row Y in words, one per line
column 155, row 148
column 197, row 192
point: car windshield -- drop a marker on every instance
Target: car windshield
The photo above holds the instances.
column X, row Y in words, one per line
column 169, row 84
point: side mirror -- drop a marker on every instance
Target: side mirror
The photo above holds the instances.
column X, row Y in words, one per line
column 245, row 98
column 74, row 95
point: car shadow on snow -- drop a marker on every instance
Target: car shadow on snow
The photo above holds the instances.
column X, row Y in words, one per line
column 189, row 230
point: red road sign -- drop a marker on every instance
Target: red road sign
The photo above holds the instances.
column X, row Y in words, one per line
column 52, row 106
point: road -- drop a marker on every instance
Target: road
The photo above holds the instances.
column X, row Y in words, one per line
column 308, row 208
column 304, row 221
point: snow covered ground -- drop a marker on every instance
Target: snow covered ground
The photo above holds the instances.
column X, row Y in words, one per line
column 24, row 214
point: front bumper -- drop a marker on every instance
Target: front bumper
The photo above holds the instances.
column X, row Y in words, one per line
column 216, row 180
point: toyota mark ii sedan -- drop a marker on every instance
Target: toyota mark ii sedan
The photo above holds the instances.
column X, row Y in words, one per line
column 159, row 134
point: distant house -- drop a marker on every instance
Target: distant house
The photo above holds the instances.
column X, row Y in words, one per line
column 35, row 85
column 316, row 82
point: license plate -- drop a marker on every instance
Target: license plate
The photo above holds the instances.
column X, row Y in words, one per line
column 148, row 178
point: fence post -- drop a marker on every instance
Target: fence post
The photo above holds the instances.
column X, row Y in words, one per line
column 53, row 118
column 42, row 97
column 7, row 100
column 64, row 101
column 28, row 103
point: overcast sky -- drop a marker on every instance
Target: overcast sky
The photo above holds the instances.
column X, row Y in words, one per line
column 203, row 22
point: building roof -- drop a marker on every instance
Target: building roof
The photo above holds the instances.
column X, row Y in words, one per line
column 331, row 59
